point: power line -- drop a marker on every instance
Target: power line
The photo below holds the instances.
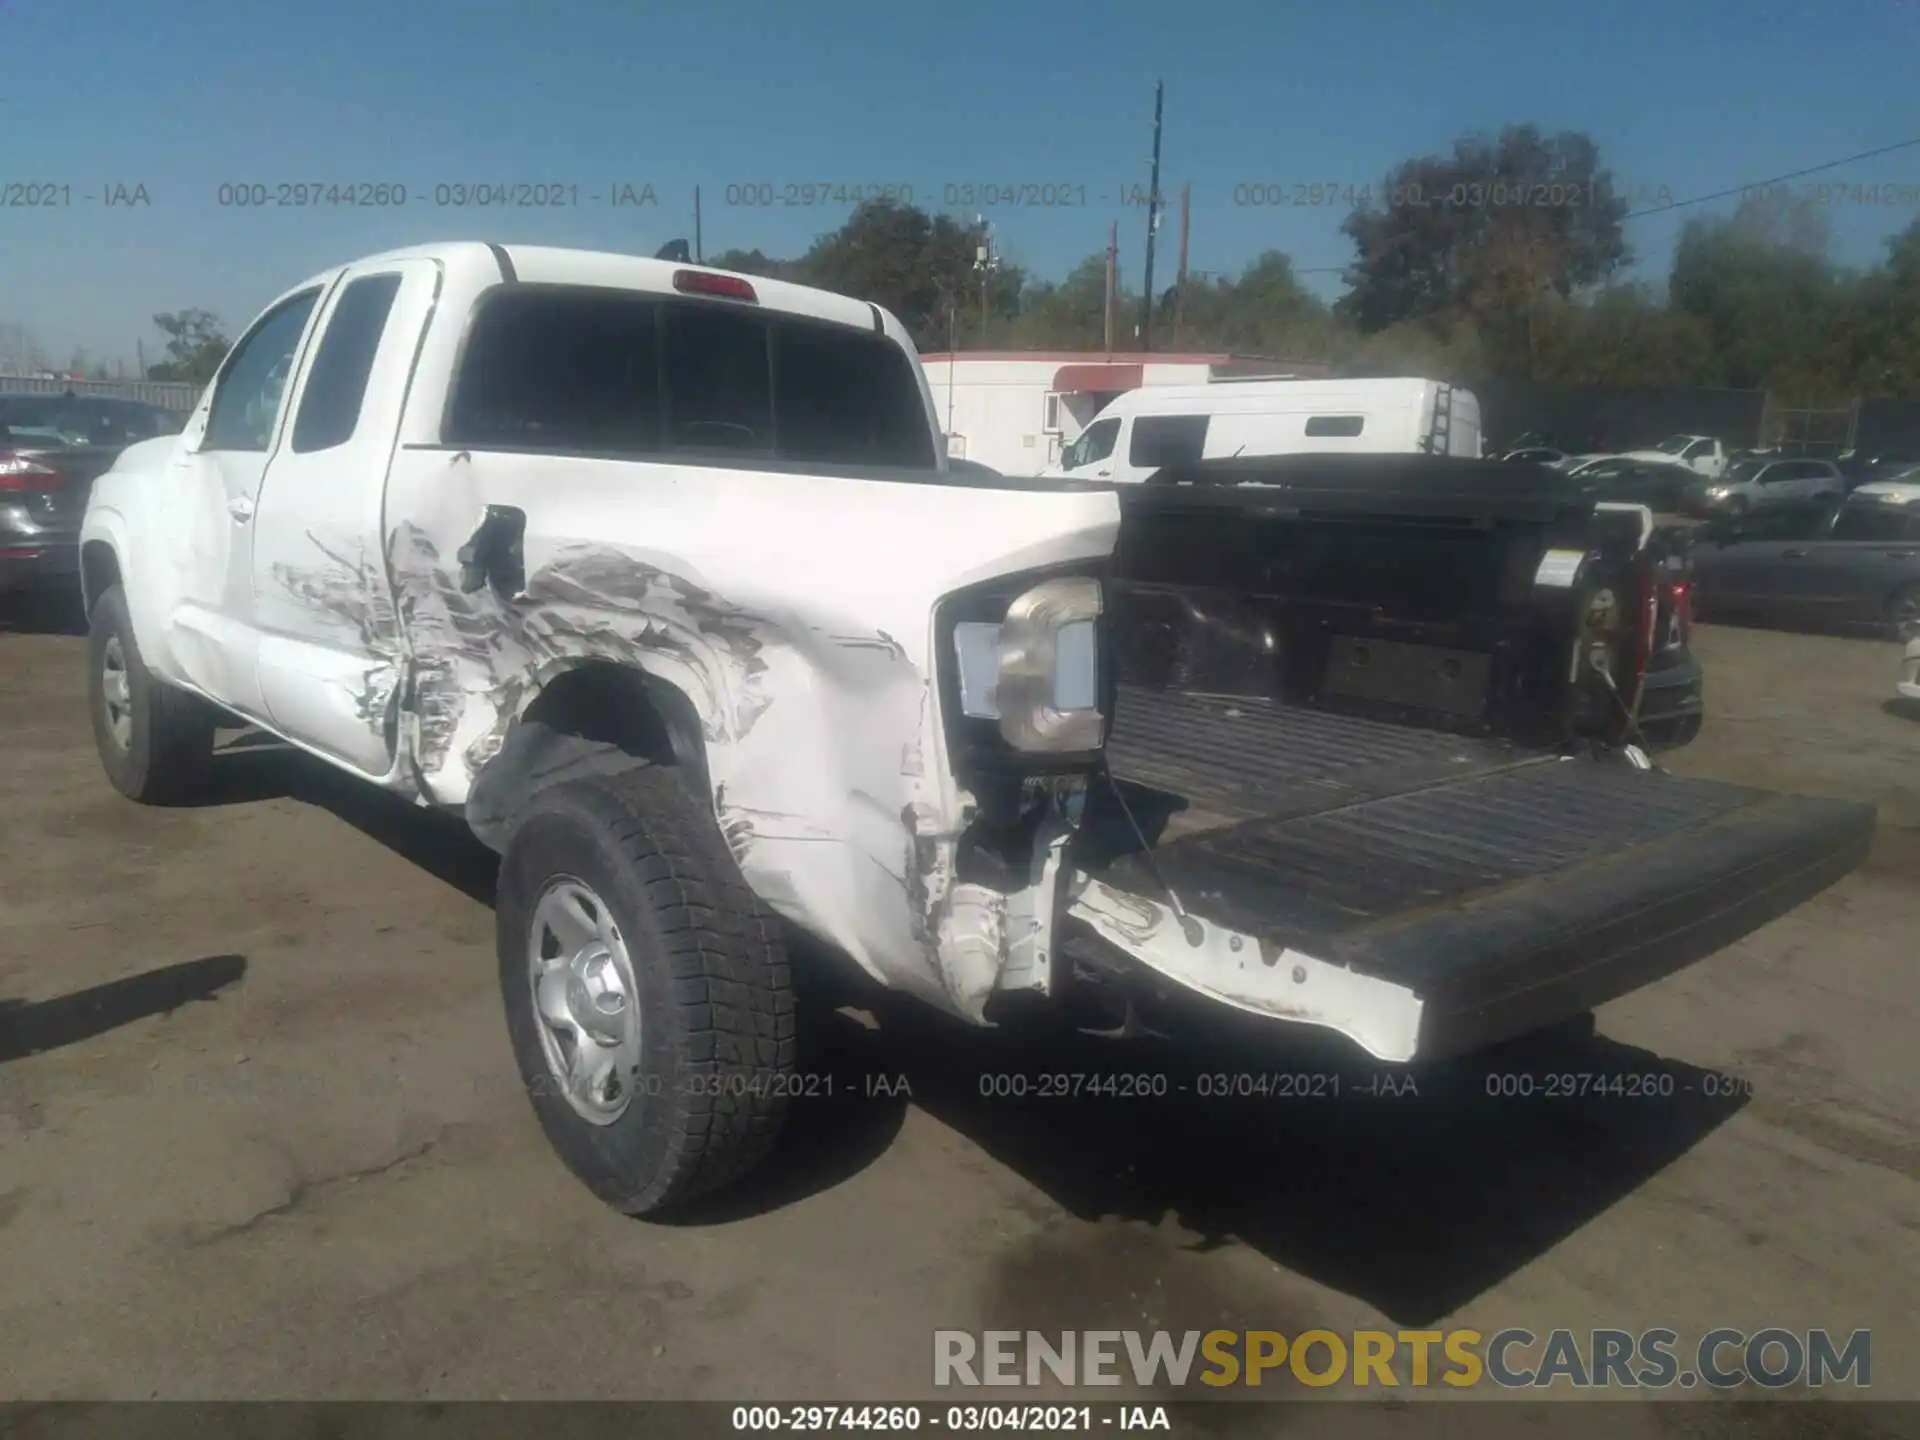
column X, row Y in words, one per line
column 1715, row 195
column 1776, row 180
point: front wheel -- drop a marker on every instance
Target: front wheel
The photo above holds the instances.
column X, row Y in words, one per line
column 648, row 995
column 155, row 742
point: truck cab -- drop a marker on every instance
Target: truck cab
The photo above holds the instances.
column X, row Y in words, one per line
column 1701, row 454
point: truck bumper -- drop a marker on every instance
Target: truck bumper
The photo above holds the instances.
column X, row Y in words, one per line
column 1909, row 683
column 1427, row 896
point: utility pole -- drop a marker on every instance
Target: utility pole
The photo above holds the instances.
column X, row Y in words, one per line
column 1109, row 297
column 1153, row 219
column 984, row 262
column 1180, row 284
column 699, row 255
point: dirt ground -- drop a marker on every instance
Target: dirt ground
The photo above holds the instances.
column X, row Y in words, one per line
column 260, row 1135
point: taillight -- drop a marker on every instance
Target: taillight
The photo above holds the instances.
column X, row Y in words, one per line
column 705, row 282
column 1681, row 592
column 23, row 472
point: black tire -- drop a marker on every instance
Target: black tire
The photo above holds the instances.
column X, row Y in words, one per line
column 716, row 1028
column 158, row 748
column 1903, row 612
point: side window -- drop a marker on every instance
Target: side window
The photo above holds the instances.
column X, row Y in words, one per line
column 254, row 379
column 1095, row 443
column 1698, row 450
column 1335, row 426
column 564, row 369
column 845, row 397
column 719, row 382
column 330, row 402
column 1162, row 440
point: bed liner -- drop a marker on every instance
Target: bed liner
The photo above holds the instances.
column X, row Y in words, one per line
column 1502, row 889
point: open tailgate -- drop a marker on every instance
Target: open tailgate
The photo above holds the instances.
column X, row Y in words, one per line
column 1368, row 768
column 1424, row 894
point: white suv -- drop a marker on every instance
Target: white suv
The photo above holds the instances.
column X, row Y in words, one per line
column 1752, row 484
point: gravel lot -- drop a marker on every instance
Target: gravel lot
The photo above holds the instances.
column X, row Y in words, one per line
column 271, row 1143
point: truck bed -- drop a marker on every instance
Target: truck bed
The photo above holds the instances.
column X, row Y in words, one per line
column 1504, row 888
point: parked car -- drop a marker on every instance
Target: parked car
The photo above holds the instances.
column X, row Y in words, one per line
column 1821, row 560
column 1701, row 454
column 1536, row 455
column 1757, row 484
column 1584, row 457
column 1661, row 485
column 1877, row 463
column 51, row 448
column 512, row 532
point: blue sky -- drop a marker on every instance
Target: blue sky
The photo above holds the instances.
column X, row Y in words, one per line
column 183, row 96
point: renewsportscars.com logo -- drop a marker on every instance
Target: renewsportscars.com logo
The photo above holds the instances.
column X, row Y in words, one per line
column 1513, row 1359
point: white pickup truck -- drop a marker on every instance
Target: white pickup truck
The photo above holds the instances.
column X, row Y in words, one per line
column 1701, row 454
column 657, row 575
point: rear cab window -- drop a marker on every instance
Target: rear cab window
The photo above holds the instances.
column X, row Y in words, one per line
column 582, row 369
column 330, row 400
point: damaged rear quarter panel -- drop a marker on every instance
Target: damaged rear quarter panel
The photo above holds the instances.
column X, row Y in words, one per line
column 793, row 611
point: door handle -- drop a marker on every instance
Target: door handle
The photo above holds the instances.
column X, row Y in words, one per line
column 1901, row 554
column 1793, row 554
column 1102, row 474
column 241, row 508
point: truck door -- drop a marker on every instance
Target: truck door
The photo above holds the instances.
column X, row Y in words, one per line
column 213, row 488
column 329, row 649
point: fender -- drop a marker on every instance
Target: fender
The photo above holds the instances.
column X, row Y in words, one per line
column 106, row 524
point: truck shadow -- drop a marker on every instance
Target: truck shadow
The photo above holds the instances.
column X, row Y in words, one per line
column 252, row 766
column 1413, row 1190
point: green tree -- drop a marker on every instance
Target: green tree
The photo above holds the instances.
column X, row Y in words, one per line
column 196, row 344
column 914, row 264
column 752, row 262
column 1071, row 315
column 1761, row 286
column 1486, row 234
column 1264, row 310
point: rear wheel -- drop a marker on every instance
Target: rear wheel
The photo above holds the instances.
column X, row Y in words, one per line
column 1903, row 612
column 155, row 741
column 648, row 996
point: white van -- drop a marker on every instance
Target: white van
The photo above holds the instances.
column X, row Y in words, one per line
column 1156, row 426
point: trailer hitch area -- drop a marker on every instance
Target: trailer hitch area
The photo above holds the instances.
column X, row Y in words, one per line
column 1249, row 974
